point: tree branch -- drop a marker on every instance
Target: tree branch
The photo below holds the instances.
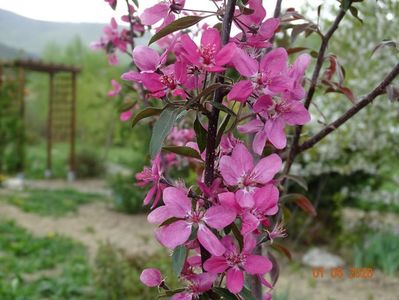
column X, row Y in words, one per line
column 379, row 90
column 316, row 73
column 219, row 94
column 277, row 9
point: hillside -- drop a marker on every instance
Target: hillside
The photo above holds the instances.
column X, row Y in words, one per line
column 32, row 36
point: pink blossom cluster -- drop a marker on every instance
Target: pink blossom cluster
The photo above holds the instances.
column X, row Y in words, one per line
column 218, row 224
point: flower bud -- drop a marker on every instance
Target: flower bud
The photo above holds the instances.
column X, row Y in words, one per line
column 151, row 277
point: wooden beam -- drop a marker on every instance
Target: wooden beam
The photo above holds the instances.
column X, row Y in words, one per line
column 21, row 133
column 72, row 162
column 48, row 172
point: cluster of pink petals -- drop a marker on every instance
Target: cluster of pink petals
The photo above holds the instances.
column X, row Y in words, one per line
column 238, row 170
column 152, row 176
column 236, row 263
column 178, row 206
column 161, row 11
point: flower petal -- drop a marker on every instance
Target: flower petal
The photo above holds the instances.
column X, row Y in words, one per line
column 249, row 223
column 177, row 200
column 219, row 217
column 245, row 65
column 211, row 37
column 154, row 14
column 174, row 234
column 226, row 54
column 240, row 91
column 266, row 168
column 216, row 264
column 160, row 215
column 146, row 58
column 275, row 133
column 210, row 241
column 256, row 264
column 235, row 280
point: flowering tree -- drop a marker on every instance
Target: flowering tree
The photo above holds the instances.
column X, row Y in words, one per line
column 215, row 63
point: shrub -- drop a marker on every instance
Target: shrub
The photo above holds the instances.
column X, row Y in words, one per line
column 89, row 164
column 127, row 197
column 117, row 276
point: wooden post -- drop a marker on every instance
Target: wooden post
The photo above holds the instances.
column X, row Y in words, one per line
column 21, row 134
column 48, row 172
column 72, row 163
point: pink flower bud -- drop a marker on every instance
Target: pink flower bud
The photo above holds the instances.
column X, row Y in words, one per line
column 151, row 277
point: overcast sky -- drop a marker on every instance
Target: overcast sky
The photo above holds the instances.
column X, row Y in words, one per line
column 98, row 11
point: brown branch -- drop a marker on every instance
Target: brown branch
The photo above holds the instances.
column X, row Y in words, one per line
column 277, row 9
column 379, row 90
column 316, row 73
column 219, row 94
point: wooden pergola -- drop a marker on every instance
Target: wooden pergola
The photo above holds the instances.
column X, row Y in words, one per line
column 61, row 118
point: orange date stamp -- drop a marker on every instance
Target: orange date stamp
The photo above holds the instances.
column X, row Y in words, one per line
column 341, row 273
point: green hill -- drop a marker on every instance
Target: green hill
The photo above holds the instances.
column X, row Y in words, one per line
column 32, row 36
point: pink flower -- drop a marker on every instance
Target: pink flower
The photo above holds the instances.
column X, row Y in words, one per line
column 276, row 113
column 154, row 176
column 116, row 88
column 157, row 79
column 126, row 115
column 179, row 206
column 160, row 11
column 198, row 284
column 257, row 32
column 238, row 170
column 151, row 277
column 210, row 55
column 265, row 204
column 235, row 263
column 267, row 77
column 296, row 73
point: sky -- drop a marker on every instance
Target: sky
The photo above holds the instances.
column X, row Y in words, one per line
column 98, row 11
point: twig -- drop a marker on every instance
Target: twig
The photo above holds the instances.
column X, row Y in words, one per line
column 316, row 73
column 379, row 90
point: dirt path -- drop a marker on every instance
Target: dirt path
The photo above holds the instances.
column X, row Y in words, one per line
column 93, row 223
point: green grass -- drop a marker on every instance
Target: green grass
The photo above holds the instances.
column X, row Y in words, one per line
column 51, row 267
column 51, row 202
column 378, row 250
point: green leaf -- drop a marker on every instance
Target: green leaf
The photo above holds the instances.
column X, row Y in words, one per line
column 355, row 12
column 222, row 128
column 170, row 293
column 201, row 134
column 162, row 128
column 246, row 294
column 237, row 235
column 136, row 2
column 223, row 108
column 183, row 150
column 145, row 113
column 179, row 24
column 170, row 221
column 225, row 293
column 178, row 259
